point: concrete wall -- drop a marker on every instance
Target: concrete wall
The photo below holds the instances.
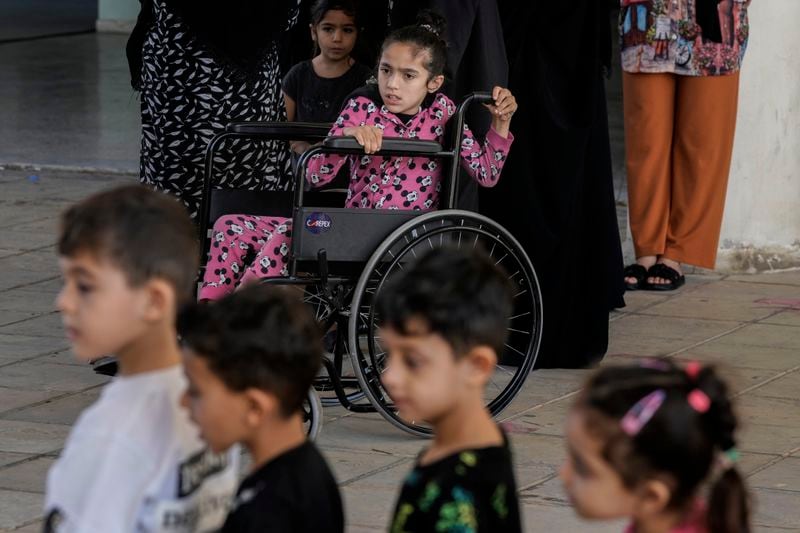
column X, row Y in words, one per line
column 761, row 227
column 116, row 15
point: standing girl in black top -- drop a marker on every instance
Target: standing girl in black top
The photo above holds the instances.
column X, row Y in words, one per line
column 314, row 90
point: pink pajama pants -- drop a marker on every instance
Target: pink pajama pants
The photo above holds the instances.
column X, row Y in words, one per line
column 245, row 248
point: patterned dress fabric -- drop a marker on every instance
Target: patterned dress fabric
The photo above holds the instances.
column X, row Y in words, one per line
column 246, row 247
column 686, row 37
column 187, row 96
column 471, row 491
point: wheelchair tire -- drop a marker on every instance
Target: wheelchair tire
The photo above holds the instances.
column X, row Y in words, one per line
column 429, row 231
column 312, row 414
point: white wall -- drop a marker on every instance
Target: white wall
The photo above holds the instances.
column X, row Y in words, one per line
column 116, row 15
column 761, row 227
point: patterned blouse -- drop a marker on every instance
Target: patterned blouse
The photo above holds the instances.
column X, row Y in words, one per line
column 466, row 492
column 686, row 37
column 408, row 183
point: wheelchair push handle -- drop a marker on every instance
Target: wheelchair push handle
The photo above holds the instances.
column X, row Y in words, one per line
column 482, row 97
column 390, row 146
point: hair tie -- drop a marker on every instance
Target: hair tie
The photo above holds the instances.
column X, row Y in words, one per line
column 699, row 401
column 641, row 412
column 655, row 364
column 429, row 28
column 729, row 458
column 693, row 369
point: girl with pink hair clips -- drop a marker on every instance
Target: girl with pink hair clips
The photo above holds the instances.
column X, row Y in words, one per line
column 405, row 104
column 642, row 440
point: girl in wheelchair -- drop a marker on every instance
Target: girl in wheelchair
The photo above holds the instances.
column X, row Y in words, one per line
column 405, row 104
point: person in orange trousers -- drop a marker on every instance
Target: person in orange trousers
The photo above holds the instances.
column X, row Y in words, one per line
column 681, row 62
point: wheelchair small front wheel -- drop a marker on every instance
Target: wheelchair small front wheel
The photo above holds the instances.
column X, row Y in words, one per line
column 462, row 230
column 312, row 414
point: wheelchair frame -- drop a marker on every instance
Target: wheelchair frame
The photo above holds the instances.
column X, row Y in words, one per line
column 348, row 304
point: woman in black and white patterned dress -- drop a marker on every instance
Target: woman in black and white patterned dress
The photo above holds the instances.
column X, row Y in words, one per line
column 200, row 64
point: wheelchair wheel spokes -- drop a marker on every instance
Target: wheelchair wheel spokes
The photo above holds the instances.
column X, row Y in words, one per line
column 326, row 312
column 462, row 230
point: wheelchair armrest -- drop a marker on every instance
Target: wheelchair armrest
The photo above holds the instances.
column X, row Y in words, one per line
column 388, row 146
column 285, row 131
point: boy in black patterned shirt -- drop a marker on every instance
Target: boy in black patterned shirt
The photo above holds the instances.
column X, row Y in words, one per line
column 444, row 321
column 250, row 359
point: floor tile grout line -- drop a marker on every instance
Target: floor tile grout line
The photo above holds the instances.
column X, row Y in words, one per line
column 336, row 448
column 741, row 325
column 45, row 280
column 539, row 406
column 538, row 482
column 20, row 321
column 46, row 401
column 34, row 221
column 24, row 524
column 767, row 381
column 371, row 473
column 715, row 320
column 773, row 462
column 33, row 457
column 32, row 358
column 22, row 491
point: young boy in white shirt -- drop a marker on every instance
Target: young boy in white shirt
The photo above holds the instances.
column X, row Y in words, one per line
column 134, row 461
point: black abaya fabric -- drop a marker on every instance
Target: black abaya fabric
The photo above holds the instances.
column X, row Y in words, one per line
column 556, row 192
column 476, row 61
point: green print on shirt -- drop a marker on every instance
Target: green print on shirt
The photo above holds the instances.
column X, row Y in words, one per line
column 432, row 492
column 458, row 516
column 499, row 501
column 401, row 518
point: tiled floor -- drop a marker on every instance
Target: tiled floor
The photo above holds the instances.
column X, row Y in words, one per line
column 749, row 324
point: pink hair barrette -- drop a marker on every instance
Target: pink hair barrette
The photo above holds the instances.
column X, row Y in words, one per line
column 641, row 412
column 693, row 369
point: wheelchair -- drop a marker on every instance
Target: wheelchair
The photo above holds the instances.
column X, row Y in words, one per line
column 341, row 258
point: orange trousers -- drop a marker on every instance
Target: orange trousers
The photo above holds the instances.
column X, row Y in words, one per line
column 678, row 144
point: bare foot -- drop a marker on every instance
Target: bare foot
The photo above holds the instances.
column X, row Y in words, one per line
column 670, row 263
column 646, row 261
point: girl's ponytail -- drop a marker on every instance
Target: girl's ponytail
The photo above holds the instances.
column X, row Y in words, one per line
column 729, row 506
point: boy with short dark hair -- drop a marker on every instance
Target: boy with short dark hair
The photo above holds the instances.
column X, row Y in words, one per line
column 444, row 321
column 134, row 461
column 250, row 359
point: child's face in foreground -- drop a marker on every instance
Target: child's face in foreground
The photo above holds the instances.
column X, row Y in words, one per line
column 423, row 376
column 335, row 35
column 403, row 78
column 220, row 413
column 594, row 488
column 101, row 313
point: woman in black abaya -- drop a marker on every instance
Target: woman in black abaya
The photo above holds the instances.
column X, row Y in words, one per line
column 556, row 194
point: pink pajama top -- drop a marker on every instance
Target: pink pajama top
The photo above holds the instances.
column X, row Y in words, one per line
column 408, row 183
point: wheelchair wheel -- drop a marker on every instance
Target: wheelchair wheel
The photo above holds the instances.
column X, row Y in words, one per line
column 461, row 229
column 312, row 414
column 336, row 348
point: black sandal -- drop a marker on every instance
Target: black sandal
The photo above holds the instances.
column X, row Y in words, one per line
column 660, row 270
column 635, row 271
